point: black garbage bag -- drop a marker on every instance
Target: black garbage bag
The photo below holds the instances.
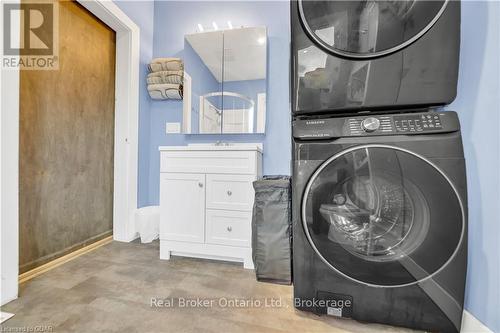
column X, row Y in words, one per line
column 272, row 230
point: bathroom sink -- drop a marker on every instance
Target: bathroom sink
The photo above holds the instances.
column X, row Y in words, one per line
column 219, row 143
column 216, row 146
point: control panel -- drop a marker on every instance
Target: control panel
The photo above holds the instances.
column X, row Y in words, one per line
column 417, row 123
column 375, row 125
column 370, row 124
column 361, row 125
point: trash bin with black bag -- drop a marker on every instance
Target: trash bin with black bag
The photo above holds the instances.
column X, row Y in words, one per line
column 272, row 230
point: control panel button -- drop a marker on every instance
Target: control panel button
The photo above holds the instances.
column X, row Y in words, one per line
column 370, row 124
column 417, row 123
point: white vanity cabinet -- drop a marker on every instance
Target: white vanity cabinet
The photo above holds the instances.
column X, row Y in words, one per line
column 206, row 201
column 182, row 197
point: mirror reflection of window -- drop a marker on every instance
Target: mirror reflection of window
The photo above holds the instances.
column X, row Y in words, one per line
column 228, row 81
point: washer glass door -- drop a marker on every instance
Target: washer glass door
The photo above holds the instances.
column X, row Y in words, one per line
column 364, row 29
column 382, row 216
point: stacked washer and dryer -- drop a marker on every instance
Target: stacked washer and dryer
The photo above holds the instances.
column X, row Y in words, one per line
column 379, row 187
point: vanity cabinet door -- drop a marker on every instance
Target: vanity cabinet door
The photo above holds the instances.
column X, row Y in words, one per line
column 226, row 227
column 230, row 192
column 182, row 207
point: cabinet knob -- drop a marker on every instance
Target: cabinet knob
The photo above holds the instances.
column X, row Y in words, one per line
column 229, row 193
column 200, row 184
column 229, row 229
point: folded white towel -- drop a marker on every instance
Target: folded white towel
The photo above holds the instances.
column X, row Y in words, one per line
column 175, row 77
column 166, row 64
column 165, row 91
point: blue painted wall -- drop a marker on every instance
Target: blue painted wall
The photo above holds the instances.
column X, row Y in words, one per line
column 478, row 106
column 174, row 19
column 142, row 13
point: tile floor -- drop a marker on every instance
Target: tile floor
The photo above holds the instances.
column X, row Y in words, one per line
column 110, row 290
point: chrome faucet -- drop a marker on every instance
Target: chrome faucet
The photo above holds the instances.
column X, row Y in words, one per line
column 222, row 143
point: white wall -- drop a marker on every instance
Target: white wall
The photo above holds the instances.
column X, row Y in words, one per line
column 9, row 146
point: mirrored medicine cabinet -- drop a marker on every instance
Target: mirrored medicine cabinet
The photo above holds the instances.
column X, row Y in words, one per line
column 225, row 81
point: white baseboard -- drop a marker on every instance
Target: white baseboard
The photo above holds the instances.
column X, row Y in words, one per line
column 470, row 324
column 206, row 251
column 8, row 299
column 4, row 316
column 126, row 239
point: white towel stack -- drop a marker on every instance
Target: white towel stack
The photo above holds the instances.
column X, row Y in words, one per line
column 165, row 79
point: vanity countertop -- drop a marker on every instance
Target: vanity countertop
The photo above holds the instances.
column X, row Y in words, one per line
column 214, row 147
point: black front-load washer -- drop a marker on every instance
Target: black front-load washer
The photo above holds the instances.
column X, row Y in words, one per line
column 350, row 56
column 380, row 219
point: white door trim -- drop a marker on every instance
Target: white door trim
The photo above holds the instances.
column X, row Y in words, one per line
column 9, row 173
column 125, row 150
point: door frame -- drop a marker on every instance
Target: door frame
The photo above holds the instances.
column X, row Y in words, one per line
column 125, row 143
